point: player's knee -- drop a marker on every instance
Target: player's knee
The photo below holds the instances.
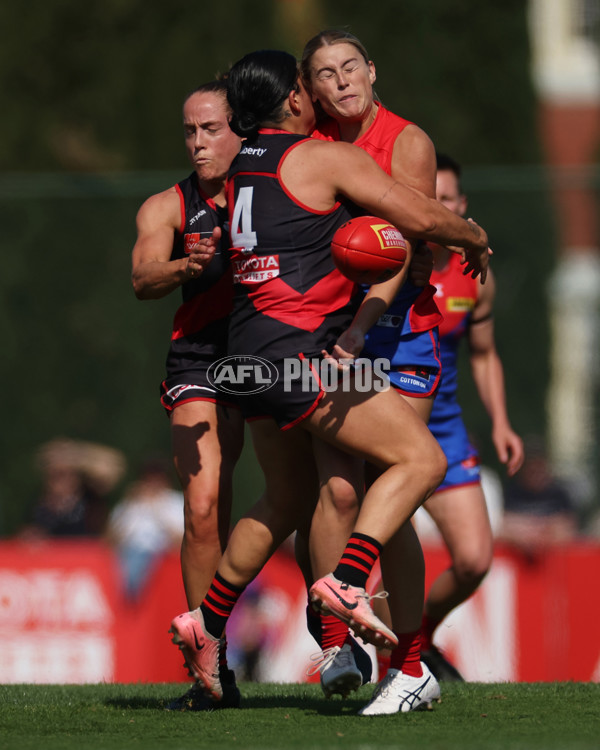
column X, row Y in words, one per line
column 201, row 516
column 439, row 467
column 340, row 496
column 433, row 465
column 472, row 566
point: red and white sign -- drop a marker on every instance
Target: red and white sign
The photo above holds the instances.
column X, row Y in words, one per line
column 64, row 619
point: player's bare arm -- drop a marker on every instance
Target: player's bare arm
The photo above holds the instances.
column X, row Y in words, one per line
column 413, row 163
column 488, row 376
column 406, row 207
column 330, row 170
column 154, row 274
column 376, row 302
column 413, row 160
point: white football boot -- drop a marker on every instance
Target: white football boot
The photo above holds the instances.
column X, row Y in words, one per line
column 401, row 693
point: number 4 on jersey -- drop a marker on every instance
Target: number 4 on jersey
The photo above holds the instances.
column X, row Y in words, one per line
column 242, row 235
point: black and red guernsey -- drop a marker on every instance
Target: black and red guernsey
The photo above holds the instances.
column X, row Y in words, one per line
column 201, row 322
column 289, row 297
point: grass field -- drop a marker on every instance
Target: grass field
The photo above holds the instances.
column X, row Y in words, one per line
column 471, row 716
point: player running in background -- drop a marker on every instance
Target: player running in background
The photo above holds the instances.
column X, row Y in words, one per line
column 458, row 505
column 206, row 428
column 283, row 178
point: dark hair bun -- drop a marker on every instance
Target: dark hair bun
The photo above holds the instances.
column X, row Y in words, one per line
column 257, row 86
column 245, row 124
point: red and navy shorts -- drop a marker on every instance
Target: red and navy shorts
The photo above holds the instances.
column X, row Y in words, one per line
column 416, row 367
column 464, row 466
column 415, row 382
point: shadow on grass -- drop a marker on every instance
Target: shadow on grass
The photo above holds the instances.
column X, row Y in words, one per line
column 309, row 705
column 158, row 704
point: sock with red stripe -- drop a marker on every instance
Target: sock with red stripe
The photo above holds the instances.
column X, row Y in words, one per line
column 327, row 630
column 358, row 559
column 407, row 655
column 218, row 604
column 428, row 626
column 334, row 632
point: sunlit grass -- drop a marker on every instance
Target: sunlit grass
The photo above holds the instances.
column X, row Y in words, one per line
column 471, row 716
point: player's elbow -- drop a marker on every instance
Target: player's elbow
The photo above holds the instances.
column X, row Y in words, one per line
column 139, row 288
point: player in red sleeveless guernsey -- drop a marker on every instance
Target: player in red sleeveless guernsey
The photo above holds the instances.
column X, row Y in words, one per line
column 207, row 431
column 458, row 506
column 341, row 75
column 285, row 205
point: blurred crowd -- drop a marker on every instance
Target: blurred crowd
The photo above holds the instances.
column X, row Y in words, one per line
column 87, row 490
column 77, row 481
column 530, row 512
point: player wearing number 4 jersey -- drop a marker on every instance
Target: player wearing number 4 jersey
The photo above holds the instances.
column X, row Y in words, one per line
column 270, row 104
column 206, row 429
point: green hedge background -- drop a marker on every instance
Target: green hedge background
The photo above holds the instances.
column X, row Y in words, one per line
column 92, row 127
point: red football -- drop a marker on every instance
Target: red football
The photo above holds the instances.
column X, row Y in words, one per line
column 368, row 250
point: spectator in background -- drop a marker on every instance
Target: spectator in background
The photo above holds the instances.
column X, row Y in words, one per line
column 146, row 523
column 76, row 478
column 539, row 511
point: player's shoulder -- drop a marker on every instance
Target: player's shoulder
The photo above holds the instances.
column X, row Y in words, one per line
column 163, row 207
column 392, row 121
column 163, row 201
column 413, row 138
column 414, row 160
column 164, row 198
column 329, row 163
column 329, row 150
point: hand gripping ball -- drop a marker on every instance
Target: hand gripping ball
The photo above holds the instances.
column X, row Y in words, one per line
column 368, row 250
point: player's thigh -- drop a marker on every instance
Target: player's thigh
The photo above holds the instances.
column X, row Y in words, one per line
column 377, row 426
column 206, row 440
column 422, row 406
column 287, row 461
column 461, row 516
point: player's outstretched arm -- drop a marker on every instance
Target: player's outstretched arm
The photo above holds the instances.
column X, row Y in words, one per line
column 355, row 175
